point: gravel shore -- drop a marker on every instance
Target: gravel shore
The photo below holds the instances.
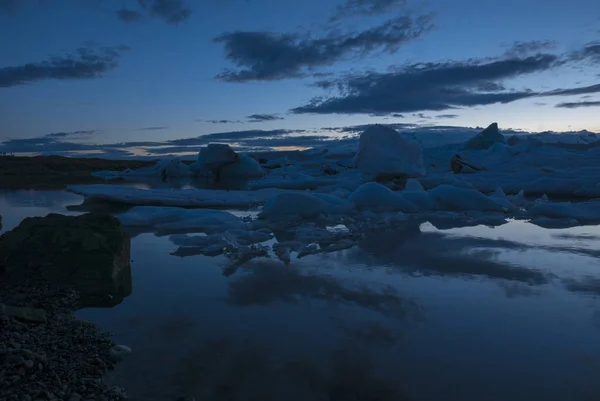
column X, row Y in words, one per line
column 45, row 352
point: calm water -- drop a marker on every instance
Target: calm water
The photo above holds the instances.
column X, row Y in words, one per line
column 505, row 313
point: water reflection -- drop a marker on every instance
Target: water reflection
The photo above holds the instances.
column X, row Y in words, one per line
column 268, row 282
column 428, row 253
column 224, row 369
column 108, row 289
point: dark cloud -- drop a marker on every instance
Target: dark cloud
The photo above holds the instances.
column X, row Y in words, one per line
column 85, row 63
column 365, row 7
column 524, row 49
column 266, row 56
column 220, row 121
column 256, row 118
column 574, row 91
column 448, row 116
column 422, row 116
column 232, row 136
column 397, row 115
column 591, row 52
column 574, row 105
column 171, row 11
column 129, row 16
column 428, row 86
column 70, row 134
column 151, row 128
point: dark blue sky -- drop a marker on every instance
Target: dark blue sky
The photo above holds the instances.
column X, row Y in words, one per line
column 140, row 70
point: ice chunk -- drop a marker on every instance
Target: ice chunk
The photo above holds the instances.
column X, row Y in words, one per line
column 378, row 197
column 163, row 169
column 413, row 185
column 447, row 197
column 485, row 139
column 384, row 154
column 213, row 156
column 244, row 167
column 199, row 198
column 174, row 219
column 588, row 211
column 304, row 205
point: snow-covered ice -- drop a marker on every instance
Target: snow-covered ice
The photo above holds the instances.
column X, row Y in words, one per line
column 385, row 153
column 299, row 193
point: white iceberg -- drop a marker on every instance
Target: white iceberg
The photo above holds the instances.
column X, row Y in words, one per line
column 378, row 197
column 447, row 197
column 192, row 198
column 175, row 219
column 384, row 154
column 302, row 205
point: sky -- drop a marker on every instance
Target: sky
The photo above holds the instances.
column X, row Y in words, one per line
column 136, row 72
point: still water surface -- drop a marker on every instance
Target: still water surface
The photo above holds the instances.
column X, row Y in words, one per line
column 477, row 313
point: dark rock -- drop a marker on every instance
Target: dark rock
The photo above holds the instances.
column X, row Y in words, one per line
column 24, row 313
column 89, row 253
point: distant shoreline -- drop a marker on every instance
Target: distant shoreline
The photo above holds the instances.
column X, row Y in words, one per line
column 55, row 172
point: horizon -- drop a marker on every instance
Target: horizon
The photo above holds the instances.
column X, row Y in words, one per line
column 78, row 75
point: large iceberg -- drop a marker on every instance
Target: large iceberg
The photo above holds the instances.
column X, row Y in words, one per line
column 383, row 153
column 485, row 139
column 223, row 162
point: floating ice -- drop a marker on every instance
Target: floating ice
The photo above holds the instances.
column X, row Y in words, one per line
column 174, row 219
column 303, row 205
column 383, row 154
column 485, row 139
column 447, row 197
column 198, row 198
column 378, row 197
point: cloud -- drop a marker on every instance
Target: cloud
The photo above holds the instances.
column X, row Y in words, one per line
column 171, row 11
column 523, row 49
column 428, row 86
column 422, row 116
column 220, row 121
column 129, row 16
column 267, row 56
column 150, row 128
column 255, row 118
column 85, row 63
column 50, row 143
column 573, row 105
column 70, row 134
column 232, row 136
column 365, row 7
column 574, row 91
column 591, row 52
column 397, row 115
column 448, row 116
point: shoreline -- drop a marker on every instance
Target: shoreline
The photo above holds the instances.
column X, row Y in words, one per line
column 56, row 172
column 46, row 352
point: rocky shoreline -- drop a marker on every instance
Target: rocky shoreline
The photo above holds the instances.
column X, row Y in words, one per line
column 50, row 267
column 45, row 352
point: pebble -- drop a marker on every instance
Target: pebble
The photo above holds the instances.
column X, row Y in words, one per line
column 29, row 364
column 15, row 345
column 119, row 352
column 74, row 397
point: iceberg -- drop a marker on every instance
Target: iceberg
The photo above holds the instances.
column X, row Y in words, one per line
column 485, row 139
column 383, row 153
